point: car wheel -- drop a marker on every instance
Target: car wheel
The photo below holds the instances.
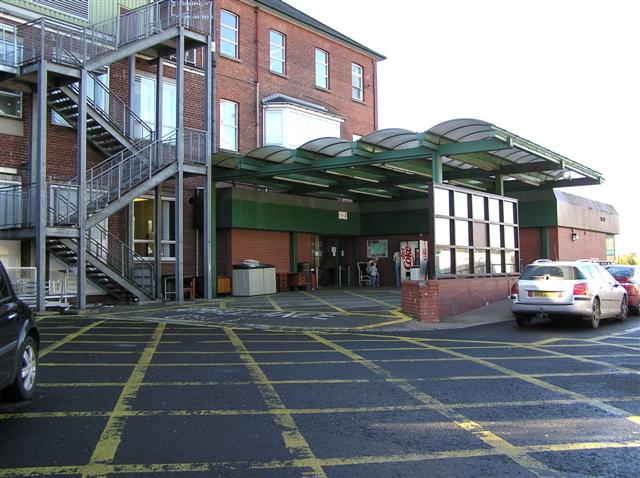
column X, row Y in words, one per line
column 523, row 320
column 24, row 385
column 595, row 314
column 624, row 309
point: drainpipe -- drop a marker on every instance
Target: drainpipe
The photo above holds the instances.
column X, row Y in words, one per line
column 375, row 95
column 257, row 47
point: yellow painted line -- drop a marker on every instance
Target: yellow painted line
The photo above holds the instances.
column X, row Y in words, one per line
column 111, row 436
column 500, row 445
column 325, row 302
column 372, row 299
column 634, row 419
column 533, row 380
column 68, row 338
column 402, row 318
column 274, row 304
column 546, row 341
column 583, row 446
column 294, row 441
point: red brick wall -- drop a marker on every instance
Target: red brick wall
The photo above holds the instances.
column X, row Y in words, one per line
column 589, row 245
column 269, row 247
column 429, row 301
column 237, row 80
column 305, row 245
column 530, row 245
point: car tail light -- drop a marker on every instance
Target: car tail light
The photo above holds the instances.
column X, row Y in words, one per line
column 622, row 280
column 582, row 288
column 515, row 289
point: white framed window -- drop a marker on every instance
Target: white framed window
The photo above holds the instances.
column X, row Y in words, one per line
column 357, row 92
column 144, row 228
column 322, row 69
column 277, row 52
column 11, row 103
column 228, row 34
column 144, row 103
column 228, row 125
column 10, row 47
column 291, row 126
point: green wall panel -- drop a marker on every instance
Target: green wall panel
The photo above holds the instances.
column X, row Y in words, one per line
column 401, row 221
column 538, row 213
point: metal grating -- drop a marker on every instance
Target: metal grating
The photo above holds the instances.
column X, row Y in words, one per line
column 77, row 8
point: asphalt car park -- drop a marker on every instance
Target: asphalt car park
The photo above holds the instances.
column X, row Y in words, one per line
column 120, row 395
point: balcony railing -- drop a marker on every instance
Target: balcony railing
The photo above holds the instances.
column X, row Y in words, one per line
column 45, row 39
column 15, row 207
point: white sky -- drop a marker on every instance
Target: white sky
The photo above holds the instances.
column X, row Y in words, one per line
column 561, row 73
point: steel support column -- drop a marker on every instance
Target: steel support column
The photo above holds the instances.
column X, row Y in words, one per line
column 209, row 255
column 131, row 85
column 40, row 194
column 157, row 230
column 293, row 251
column 436, row 165
column 179, row 182
column 81, row 264
column 499, row 186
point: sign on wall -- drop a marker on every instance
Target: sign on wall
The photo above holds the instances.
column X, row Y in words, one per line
column 377, row 248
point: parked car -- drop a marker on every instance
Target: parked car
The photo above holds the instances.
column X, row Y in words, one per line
column 582, row 288
column 19, row 343
column 629, row 278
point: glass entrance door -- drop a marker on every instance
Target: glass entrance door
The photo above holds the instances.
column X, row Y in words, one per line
column 334, row 260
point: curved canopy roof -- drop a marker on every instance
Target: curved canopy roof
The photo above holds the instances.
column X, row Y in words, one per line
column 398, row 163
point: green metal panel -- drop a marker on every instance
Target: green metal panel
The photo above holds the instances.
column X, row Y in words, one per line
column 544, row 239
column 538, row 213
column 99, row 10
column 49, row 11
column 401, row 221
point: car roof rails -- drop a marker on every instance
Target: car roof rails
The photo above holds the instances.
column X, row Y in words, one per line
column 540, row 261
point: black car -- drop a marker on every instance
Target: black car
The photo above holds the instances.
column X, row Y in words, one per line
column 19, row 343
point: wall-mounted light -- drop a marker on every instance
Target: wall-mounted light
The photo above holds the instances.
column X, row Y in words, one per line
column 574, row 235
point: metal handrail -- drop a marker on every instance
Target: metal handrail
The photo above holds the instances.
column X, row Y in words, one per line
column 15, row 207
column 116, row 111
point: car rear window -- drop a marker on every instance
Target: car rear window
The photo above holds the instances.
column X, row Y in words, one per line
column 620, row 271
column 546, row 272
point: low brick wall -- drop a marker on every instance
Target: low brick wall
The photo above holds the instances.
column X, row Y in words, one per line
column 427, row 301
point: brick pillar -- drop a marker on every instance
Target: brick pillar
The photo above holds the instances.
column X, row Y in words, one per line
column 421, row 300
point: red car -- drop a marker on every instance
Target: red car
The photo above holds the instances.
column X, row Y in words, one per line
column 629, row 278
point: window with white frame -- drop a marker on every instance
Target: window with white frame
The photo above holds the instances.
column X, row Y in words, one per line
column 356, row 82
column 277, row 52
column 10, row 46
column 11, row 104
column 228, row 34
column 144, row 103
column 144, row 228
column 291, row 126
column 228, row 125
column 322, row 69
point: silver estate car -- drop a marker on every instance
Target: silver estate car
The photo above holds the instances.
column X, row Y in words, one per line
column 552, row 289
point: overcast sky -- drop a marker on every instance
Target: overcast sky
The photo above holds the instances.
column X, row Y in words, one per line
column 562, row 73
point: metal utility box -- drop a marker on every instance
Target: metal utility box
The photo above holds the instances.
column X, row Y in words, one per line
column 253, row 279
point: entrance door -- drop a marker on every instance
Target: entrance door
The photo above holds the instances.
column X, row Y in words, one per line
column 334, row 261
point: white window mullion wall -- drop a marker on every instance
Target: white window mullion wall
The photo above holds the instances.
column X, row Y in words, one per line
column 291, row 126
column 144, row 103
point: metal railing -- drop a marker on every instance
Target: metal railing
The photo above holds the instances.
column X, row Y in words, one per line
column 122, row 259
column 15, row 207
column 52, row 41
column 114, row 110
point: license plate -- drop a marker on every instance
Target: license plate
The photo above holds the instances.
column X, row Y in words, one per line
column 538, row 293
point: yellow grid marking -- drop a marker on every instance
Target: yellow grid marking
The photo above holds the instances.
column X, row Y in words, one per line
column 500, row 445
column 401, row 319
column 326, row 302
column 535, row 381
column 68, row 339
column 372, row 299
column 111, row 436
column 274, row 304
column 634, row 419
column 294, row 441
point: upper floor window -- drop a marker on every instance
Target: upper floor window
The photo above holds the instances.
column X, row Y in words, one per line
column 228, row 34
column 144, row 104
column 10, row 46
column 228, row 125
column 322, row 69
column 356, row 82
column 276, row 52
column 11, row 103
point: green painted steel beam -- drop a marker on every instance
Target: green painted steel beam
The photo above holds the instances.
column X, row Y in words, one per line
column 467, row 147
column 511, row 186
column 436, row 166
column 504, row 170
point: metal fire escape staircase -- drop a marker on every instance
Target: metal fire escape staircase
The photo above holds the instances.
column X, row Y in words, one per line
column 138, row 161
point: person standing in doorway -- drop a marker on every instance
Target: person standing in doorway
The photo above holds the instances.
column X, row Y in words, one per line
column 396, row 265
